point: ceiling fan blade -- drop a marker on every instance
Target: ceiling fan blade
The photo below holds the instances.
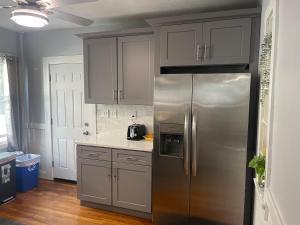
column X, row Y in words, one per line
column 72, row 18
column 60, row 3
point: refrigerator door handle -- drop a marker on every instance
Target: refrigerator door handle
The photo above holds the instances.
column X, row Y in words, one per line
column 186, row 155
column 194, row 144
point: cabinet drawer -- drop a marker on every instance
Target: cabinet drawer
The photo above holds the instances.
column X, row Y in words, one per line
column 132, row 157
column 95, row 153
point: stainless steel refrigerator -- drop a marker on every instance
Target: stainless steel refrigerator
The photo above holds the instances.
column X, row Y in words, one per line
column 200, row 148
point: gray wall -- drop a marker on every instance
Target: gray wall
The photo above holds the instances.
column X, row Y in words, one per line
column 54, row 43
column 8, row 42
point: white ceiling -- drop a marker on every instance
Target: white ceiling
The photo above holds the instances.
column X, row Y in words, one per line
column 119, row 10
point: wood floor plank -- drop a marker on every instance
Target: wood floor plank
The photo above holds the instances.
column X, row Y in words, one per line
column 55, row 203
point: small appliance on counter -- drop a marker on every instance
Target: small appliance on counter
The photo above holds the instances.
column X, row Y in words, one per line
column 136, row 132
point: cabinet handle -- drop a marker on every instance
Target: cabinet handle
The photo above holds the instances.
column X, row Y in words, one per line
column 92, row 155
column 120, row 94
column 115, row 173
column 114, row 95
column 132, row 159
column 198, row 52
column 205, row 52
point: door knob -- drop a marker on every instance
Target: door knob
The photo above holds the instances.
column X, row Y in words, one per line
column 86, row 133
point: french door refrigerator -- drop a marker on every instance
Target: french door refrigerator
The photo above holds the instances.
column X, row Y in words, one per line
column 200, row 148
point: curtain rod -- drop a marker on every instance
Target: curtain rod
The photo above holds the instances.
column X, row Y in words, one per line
column 2, row 54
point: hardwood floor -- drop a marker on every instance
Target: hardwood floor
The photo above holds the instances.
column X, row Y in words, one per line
column 55, row 203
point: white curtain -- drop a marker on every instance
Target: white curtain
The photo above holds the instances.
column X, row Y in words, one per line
column 10, row 113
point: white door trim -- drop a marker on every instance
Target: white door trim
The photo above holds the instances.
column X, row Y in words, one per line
column 47, row 61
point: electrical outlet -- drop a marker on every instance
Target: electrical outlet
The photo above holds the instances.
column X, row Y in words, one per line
column 104, row 113
column 113, row 113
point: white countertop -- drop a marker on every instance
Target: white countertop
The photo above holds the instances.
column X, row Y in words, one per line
column 116, row 141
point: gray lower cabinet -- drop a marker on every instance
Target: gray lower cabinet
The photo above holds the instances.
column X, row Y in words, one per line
column 100, row 70
column 132, row 186
column 208, row 43
column 94, row 181
column 115, row 177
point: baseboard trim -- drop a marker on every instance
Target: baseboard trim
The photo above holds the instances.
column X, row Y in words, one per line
column 117, row 210
column 274, row 213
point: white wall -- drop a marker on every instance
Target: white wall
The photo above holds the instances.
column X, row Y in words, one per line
column 285, row 170
column 283, row 193
column 8, row 42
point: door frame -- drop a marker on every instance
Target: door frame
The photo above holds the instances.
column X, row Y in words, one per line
column 47, row 61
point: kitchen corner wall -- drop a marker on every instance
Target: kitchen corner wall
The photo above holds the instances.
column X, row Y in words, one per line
column 281, row 202
column 116, row 118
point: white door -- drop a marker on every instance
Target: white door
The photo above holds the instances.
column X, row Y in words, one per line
column 71, row 118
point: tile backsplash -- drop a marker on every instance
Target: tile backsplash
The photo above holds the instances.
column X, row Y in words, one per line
column 116, row 118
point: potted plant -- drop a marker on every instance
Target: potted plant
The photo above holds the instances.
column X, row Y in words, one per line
column 259, row 164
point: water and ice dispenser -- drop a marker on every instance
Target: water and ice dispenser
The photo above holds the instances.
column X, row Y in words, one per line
column 171, row 139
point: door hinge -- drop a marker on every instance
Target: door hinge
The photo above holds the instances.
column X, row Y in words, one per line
column 50, row 78
column 51, row 121
column 52, row 163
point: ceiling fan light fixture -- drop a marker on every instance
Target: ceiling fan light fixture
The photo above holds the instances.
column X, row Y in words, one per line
column 29, row 18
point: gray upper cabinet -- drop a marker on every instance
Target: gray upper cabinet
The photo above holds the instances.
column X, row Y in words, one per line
column 227, row 42
column 135, row 70
column 132, row 186
column 119, row 70
column 180, row 45
column 209, row 43
column 100, row 69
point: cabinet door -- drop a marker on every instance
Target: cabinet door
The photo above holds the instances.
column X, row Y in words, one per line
column 94, row 181
column 135, row 70
column 227, row 42
column 100, row 70
column 132, row 186
column 181, row 45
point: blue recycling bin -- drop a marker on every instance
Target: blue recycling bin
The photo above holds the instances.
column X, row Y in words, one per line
column 27, row 172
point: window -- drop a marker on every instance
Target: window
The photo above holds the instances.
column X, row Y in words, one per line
column 4, row 103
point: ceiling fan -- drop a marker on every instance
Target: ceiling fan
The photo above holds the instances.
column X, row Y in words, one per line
column 35, row 13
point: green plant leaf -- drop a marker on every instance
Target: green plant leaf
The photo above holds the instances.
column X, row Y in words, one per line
column 259, row 164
